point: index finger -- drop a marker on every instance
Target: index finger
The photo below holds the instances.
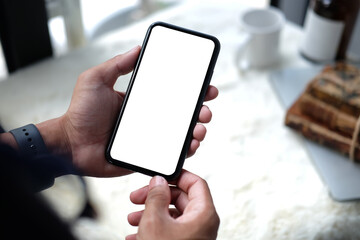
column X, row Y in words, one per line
column 195, row 187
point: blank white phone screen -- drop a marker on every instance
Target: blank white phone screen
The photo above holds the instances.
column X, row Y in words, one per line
column 162, row 101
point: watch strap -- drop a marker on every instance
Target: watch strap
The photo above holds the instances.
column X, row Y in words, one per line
column 29, row 141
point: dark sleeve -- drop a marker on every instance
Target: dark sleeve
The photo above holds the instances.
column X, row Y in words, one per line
column 25, row 214
column 39, row 172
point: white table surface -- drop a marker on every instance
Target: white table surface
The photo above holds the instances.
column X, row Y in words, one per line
column 263, row 182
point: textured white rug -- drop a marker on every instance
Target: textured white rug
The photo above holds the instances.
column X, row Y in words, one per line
column 262, row 180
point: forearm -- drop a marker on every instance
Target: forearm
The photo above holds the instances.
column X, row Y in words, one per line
column 41, row 167
column 51, row 132
column 8, row 139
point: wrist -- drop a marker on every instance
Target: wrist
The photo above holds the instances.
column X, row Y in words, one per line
column 55, row 137
column 8, row 139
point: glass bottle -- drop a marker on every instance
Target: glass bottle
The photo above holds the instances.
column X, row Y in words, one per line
column 328, row 29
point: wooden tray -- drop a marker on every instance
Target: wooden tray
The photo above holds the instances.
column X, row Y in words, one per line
column 341, row 176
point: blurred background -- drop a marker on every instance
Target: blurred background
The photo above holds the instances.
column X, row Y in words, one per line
column 263, row 181
column 71, row 24
column 75, row 23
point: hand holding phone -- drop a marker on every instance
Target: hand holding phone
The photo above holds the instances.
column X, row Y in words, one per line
column 163, row 100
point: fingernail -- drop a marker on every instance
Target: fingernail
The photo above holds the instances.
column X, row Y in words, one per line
column 134, row 49
column 159, row 181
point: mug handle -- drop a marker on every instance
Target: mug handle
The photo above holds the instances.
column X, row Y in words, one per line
column 244, row 43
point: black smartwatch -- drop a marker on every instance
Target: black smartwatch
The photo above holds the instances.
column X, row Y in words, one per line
column 29, row 140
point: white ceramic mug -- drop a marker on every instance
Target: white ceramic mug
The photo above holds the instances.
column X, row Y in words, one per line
column 261, row 36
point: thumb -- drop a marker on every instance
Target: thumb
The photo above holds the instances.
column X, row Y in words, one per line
column 159, row 197
column 122, row 64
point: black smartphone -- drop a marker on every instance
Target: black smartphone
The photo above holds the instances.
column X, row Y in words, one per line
column 163, row 100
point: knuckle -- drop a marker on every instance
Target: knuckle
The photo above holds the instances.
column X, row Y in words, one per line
column 156, row 195
column 84, row 76
column 216, row 220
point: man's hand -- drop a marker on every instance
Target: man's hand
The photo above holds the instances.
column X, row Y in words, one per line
column 194, row 215
column 83, row 132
